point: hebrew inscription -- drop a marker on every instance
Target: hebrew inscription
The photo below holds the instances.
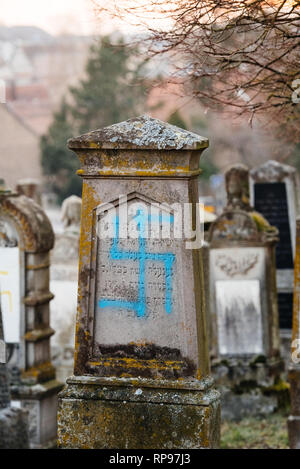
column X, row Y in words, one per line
column 140, row 258
column 137, row 283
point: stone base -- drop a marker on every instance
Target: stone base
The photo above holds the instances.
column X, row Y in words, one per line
column 236, row 407
column 294, row 431
column 250, row 387
column 294, row 418
column 13, row 429
column 128, row 413
column 41, row 402
column 285, row 348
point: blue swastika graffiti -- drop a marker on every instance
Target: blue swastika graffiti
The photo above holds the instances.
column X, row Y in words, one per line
column 142, row 256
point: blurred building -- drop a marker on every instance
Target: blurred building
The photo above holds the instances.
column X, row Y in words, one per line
column 37, row 70
column 19, row 148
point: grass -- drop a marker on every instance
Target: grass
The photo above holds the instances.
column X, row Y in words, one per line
column 256, row 433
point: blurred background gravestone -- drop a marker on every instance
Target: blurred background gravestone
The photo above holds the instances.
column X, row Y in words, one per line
column 217, row 185
column 244, row 332
column 13, row 422
column 26, row 238
column 141, row 357
column 64, row 285
column 275, row 194
column 31, row 188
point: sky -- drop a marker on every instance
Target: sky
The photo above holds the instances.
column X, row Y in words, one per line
column 55, row 16
column 63, row 16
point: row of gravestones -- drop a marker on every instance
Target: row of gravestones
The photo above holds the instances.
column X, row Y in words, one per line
column 26, row 238
column 142, row 333
column 274, row 192
column 243, row 273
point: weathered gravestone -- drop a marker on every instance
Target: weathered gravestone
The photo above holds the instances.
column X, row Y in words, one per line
column 141, row 376
column 64, row 285
column 274, row 193
column 294, row 369
column 244, row 333
column 26, row 238
column 13, row 422
column 30, row 188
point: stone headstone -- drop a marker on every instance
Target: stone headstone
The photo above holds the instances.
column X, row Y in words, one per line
column 26, row 238
column 64, row 285
column 4, row 387
column 141, row 345
column 294, row 369
column 2, row 341
column 30, row 188
column 217, row 187
column 71, row 214
column 13, row 422
column 244, row 331
column 274, row 193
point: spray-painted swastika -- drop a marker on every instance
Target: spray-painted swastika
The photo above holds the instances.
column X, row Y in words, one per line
column 142, row 256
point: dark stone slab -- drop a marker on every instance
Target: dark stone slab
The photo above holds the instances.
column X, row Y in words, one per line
column 285, row 308
column 271, row 202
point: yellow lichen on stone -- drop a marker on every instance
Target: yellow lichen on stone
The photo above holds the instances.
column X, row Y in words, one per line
column 260, row 221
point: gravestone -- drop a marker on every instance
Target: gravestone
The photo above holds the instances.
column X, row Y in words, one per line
column 30, row 188
column 294, row 369
column 13, row 422
column 26, row 238
column 244, row 333
column 217, row 187
column 274, row 193
column 141, row 358
column 64, row 285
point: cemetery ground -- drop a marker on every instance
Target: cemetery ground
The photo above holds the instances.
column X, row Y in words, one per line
column 268, row 432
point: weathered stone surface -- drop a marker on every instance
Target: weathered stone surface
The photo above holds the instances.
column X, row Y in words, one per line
column 242, row 276
column 64, row 285
column 140, row 132
column 236, row 407
column 99, row 188
column 4, row 383
column 71, row 214
column 141, row 302
column 30, row 188
column 31, row 222
column 294, row 431
column 239, row 317
column 250, row 387
column 13, row 422
column 244, row 339
column 272, row 171
column 13, row 429
column 237, row 188
column 4, row 387
column 294, row 368
column 152, row 414
column 26, row 231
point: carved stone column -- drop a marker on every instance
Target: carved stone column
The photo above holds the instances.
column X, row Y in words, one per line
column 26, row 238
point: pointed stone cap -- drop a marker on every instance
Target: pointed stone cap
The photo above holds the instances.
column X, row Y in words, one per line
column 141, row 132
column 272, row 171
column 237, row 187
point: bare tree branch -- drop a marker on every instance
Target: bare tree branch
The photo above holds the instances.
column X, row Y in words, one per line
column 244, row 54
